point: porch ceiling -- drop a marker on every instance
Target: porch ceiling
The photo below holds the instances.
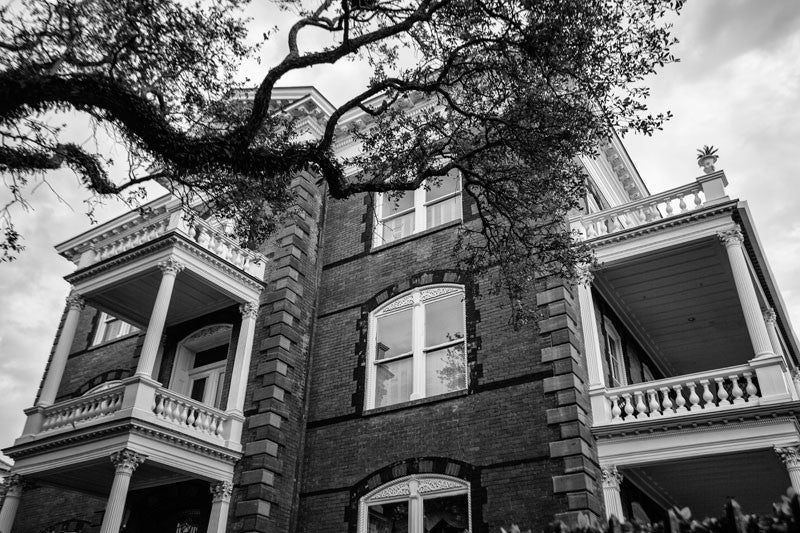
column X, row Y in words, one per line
column 132, row 299
column 754, row 479
column 682, row 305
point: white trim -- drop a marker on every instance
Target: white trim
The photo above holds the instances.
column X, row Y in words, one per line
column 102, row 324
column 619, row 377
column 183, row 374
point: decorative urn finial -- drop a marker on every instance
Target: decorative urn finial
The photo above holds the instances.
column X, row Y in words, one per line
column 706, row 157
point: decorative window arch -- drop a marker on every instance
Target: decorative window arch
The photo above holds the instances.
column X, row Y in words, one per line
column 417, row 504
column 200, row 361
column 417, row 346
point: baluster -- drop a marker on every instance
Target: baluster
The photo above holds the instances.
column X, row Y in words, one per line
column 217, row 426
column 736, row 391
column 668, row 207
column 628, row 405
column 615, row 410
column 750, row 388
column 203, row 425
column 682, row 203
column 159, row 405
column 708, row 397
column 590, row 231
column 103, row 406
column 614, row 225
column 694, row 399
column 191, row 418
column 722, row 394
column 169, row 409
column 697, row 199
column 641, row 408
column 655, row 407
column 666, row 402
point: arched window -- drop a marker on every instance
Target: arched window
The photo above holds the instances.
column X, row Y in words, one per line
column 200, row 361
column 417, row 346
column 417, row 504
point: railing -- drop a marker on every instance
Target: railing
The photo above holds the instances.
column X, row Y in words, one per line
column 188, row 414
column 88, row 407
column 659, row 206
column 720, row 389
column 212, row 240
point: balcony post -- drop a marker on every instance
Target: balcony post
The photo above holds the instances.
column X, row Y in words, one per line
column 56, row 370
column 733, row 239
column 220, row 502
column 241, row 364
column 714, row 187
column 790, row 455
column 158, row 318
column 611, row 492
column 8, row 513
column 125, row 463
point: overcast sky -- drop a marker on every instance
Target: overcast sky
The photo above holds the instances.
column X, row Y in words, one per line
column 737, row 87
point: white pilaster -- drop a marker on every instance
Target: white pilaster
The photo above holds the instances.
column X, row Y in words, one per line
column 241, row 364
column 591, row 337
column 8, row 513
column 771, row 320
column 418, row 342
column 733, row 239
column 220, row 502
column 611, row 493
column 790, row 455
column 125, row 463
column 158, row 318
column 56, row 369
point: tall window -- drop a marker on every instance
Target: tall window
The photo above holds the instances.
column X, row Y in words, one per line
column 200, row 362
column 417, row 346
column 418, row 210
column 417, row 504
column 616, row 357
column 110, row 328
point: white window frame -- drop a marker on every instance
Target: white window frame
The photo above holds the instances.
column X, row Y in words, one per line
column 419, row 208
column 102, row 324
column 416, row 299
column 184, row 374
column 414, row 489
column 616, row 367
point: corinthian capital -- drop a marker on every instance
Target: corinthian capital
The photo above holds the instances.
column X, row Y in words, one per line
column 769, row 316
column 731, row 237
column 221, row 491
column 611, row 477
column 126, row 461
column 15, row 484
column 171, row 266
column 249, row 309
column 75, row 301
column 790, row 455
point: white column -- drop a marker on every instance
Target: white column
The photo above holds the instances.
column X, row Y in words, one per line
column 733, row 239
column 415, row 510
column 56, row 370
column 418, row 345
column 790, row 455
column 771, row 320
column 220, row 502
column 241, row 364
column 158, row 317
column 15, row 486
column 611, row 493
column 125, row 462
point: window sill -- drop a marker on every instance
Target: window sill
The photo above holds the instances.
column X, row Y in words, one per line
column 414, row 403
column 413, row 236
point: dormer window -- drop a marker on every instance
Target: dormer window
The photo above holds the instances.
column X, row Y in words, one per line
column 419, row 210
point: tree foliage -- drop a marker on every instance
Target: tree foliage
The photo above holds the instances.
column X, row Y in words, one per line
column 521, row 89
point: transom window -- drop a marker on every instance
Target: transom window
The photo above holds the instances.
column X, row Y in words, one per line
column 110, row 327
column 417, row 504
column 418, row 210
column 417, row 346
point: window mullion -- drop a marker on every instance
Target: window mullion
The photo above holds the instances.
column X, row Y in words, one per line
column 420, row 219
column 418, row 345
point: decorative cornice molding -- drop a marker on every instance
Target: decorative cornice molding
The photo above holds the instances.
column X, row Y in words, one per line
column 743, row 417
column 731, row 237
column 249, row 310
column 75, row 301
column 221, row 491
column 790, row 455
column 171, row 267
column 611, row 477
column 126, row 461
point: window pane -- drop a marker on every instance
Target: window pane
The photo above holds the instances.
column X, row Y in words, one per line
column 198, row 389
column 388, row 518
column 446, row 515
column 450, row 184
column 444, row 320
column 444, row 211
column 446, row 370
column 394, row 335
column 398, row 227
column 112, row 329
column 212, row 355
column 393, row 381
column 397, row 205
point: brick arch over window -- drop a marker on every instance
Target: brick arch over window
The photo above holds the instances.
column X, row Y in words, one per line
column 68, row 526
column 420, row 466
column 111, row 375
column 431, row 277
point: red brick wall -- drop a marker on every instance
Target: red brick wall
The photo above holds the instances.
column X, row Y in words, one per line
column 45, row 506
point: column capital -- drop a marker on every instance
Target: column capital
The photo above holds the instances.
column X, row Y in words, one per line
column 731, row 237
column 15, row 484
column 171, row 266
column 790, row 455
column 584, row 273
column 770, row 317
column 611, row 476
column 221, row 491
column 126, row 461
column 249, row 309
column 75, row 301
